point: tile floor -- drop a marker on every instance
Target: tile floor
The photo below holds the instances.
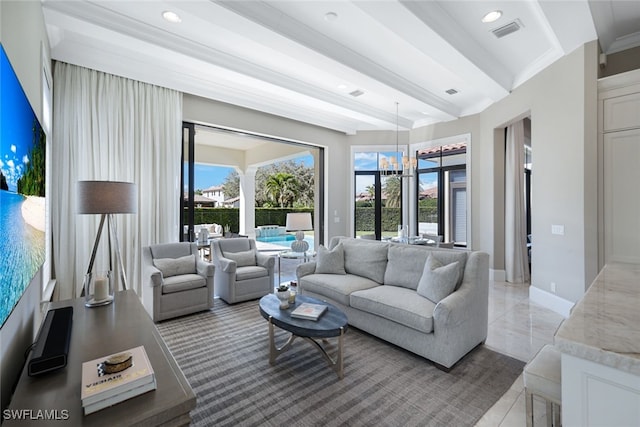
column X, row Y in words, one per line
column 518, row 328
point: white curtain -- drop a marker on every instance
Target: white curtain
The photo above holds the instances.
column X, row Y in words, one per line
column 516, row 259
column 111, row 128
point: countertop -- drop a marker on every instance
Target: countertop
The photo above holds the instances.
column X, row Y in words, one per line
column 604, row 327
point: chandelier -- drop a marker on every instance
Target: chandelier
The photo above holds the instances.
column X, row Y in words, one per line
column 395, row 166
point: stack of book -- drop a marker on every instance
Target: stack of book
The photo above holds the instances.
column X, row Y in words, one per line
column 309, row 311
column 114, row 378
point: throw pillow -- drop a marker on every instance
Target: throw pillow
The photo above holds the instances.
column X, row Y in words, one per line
column 176, row 266
column 242, row 259
column 438, row 281
column 330, row 261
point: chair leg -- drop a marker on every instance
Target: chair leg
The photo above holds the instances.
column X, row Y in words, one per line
column 528, row 399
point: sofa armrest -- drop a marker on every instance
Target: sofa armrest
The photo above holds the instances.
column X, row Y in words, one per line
column 266, row 261
column 469, row 303
column 305, row 269
column 227, row 265
column 155, row 275
column 203, row 268
column 455, row 309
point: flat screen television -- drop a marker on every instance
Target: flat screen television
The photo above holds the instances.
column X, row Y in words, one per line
column 22, row 190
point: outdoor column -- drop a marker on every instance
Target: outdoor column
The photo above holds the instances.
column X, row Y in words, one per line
column 248, row 201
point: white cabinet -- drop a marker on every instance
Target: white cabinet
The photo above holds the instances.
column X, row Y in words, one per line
column 598, row 395
column 622, row 112
column 619, row 168
column 622, row 196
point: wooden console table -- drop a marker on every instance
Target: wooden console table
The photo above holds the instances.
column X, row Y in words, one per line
column 97, row 332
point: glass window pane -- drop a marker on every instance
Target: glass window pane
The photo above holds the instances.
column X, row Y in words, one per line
column 391, row 205
column 456, row 207
column 433, row 162
column 428, row 203
column 365, row 161
column 365, row 204
column 454, row 159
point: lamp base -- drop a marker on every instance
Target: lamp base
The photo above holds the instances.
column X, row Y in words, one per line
column 299, row 245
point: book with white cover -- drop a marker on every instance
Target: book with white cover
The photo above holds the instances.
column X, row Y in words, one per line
column 121, row 397
column 97, row 385
column 308, row 310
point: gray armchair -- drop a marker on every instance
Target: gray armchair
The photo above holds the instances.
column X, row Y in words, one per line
column 241, row 272
column 176, row 280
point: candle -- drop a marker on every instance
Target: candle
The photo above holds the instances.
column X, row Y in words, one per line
column 101, row 290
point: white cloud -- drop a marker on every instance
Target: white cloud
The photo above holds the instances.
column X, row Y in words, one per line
column 10, row 164
column 13, row 148
column 366, row 157
column 25, row 159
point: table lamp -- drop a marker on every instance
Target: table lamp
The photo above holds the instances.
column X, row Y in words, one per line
column 107, row 198
column 299, row 222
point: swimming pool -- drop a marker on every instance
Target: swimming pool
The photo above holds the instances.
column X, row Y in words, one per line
column 284, row 240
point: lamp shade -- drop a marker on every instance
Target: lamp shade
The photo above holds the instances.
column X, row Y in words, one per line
column 299, row 221
column 107, row 197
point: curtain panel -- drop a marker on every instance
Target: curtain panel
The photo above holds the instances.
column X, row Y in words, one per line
column 112, row 128
column 516, row 258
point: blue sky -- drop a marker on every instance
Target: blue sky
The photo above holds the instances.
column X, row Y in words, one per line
column 16, row 118
column 208, row 176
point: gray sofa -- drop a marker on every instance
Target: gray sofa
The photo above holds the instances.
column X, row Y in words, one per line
column 382, row 289
column 176, row 280
column 241, row 272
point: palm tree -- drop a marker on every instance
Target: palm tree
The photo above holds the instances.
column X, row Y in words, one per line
column 282, row 188
column 392, row 188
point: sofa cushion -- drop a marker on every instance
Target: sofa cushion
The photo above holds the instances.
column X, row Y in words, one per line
column 337, row 288
column 250, row 272
column 366, row 258
column 405, row 266
column 330, row 261
column 400, row 305
column 438, row 281
column 243, row 258
column 183, row 283
column 176, row 266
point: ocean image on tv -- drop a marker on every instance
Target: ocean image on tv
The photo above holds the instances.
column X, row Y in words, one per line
column 22, row 190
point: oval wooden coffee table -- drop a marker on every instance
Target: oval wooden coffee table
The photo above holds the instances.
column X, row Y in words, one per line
column 332, row 323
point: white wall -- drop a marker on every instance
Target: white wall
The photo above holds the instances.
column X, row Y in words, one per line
column 22, row 34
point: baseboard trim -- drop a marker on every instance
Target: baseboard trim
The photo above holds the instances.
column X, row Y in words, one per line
column 551, row 301
column 497, row 275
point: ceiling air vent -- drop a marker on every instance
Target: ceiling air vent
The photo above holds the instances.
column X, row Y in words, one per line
column 356, row 93
column 505, row 30
column 451, row 91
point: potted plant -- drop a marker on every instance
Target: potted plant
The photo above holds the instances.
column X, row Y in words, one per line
column 282, row 292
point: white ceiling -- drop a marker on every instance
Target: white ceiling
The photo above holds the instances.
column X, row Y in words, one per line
column 286, row 58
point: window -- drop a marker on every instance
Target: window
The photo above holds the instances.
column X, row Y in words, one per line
column 377, row 196
column 442, row 192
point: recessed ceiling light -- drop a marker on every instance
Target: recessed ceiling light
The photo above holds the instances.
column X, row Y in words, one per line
column 172, row 17
column 330, row 16
column 492, row 16
column 342, row 86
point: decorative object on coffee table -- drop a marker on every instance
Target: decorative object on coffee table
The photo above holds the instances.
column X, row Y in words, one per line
column 283, row 295
column 299, row 222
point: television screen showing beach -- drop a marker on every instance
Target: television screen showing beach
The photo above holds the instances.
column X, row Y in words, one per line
column 22, row 190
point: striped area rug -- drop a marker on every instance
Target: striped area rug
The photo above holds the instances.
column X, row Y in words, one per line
column 224, row 355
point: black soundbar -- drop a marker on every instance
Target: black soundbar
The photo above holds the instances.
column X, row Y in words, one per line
column 52, row 345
